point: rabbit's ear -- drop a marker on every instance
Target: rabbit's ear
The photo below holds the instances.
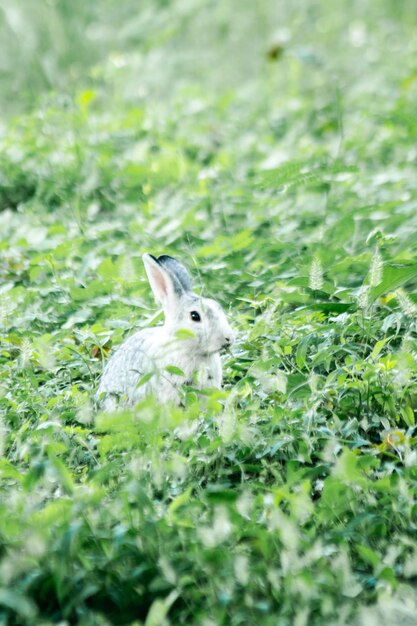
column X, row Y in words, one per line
column 167, row 287
column 180, row 277
column 159, row 279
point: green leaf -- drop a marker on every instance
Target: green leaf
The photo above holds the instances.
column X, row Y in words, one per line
column 159, row 609
column 394, row 277
column 172, row 369
column 329, row 307
column 346, row 467
column 63, row 473
column 144, row 379
column 179, row 501
column 378, row 347
column 7, row 470
column 302, row 351
column 368, row 555
column 20, row 604
column 408, row 415
column 184, row 334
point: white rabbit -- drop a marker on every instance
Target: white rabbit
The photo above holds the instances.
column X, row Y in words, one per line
column 152, row 350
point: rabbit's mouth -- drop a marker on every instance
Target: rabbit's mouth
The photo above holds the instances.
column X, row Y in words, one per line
column 223, row 348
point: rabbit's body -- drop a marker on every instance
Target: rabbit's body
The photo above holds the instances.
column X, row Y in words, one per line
column 151, row 351
column 154, row 351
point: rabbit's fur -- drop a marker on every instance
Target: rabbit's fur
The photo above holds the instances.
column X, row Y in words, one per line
column 152, row 350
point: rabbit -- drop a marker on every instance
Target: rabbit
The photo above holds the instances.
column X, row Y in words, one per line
column 152, row 350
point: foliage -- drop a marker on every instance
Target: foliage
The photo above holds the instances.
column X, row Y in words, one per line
column 271, row 148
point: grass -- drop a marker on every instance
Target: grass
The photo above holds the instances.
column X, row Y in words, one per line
column 272, row 149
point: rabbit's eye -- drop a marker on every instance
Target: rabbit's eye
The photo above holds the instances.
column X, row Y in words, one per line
column 195, row 316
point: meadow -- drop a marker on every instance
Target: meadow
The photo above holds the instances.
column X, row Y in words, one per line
column 271, row 146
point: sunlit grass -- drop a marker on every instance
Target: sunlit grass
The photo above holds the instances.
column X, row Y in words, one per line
column 270, row 147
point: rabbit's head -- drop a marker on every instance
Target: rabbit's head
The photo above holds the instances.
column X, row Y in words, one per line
column 184, row 309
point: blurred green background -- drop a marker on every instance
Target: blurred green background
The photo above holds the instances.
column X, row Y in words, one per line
column 271, row 146
column 154, row 48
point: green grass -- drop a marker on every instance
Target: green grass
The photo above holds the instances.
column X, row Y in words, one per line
column 272, row 148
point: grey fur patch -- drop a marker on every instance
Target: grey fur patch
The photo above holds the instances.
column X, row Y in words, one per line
column 180, row 277
column 121, row 372
column 209, row 311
